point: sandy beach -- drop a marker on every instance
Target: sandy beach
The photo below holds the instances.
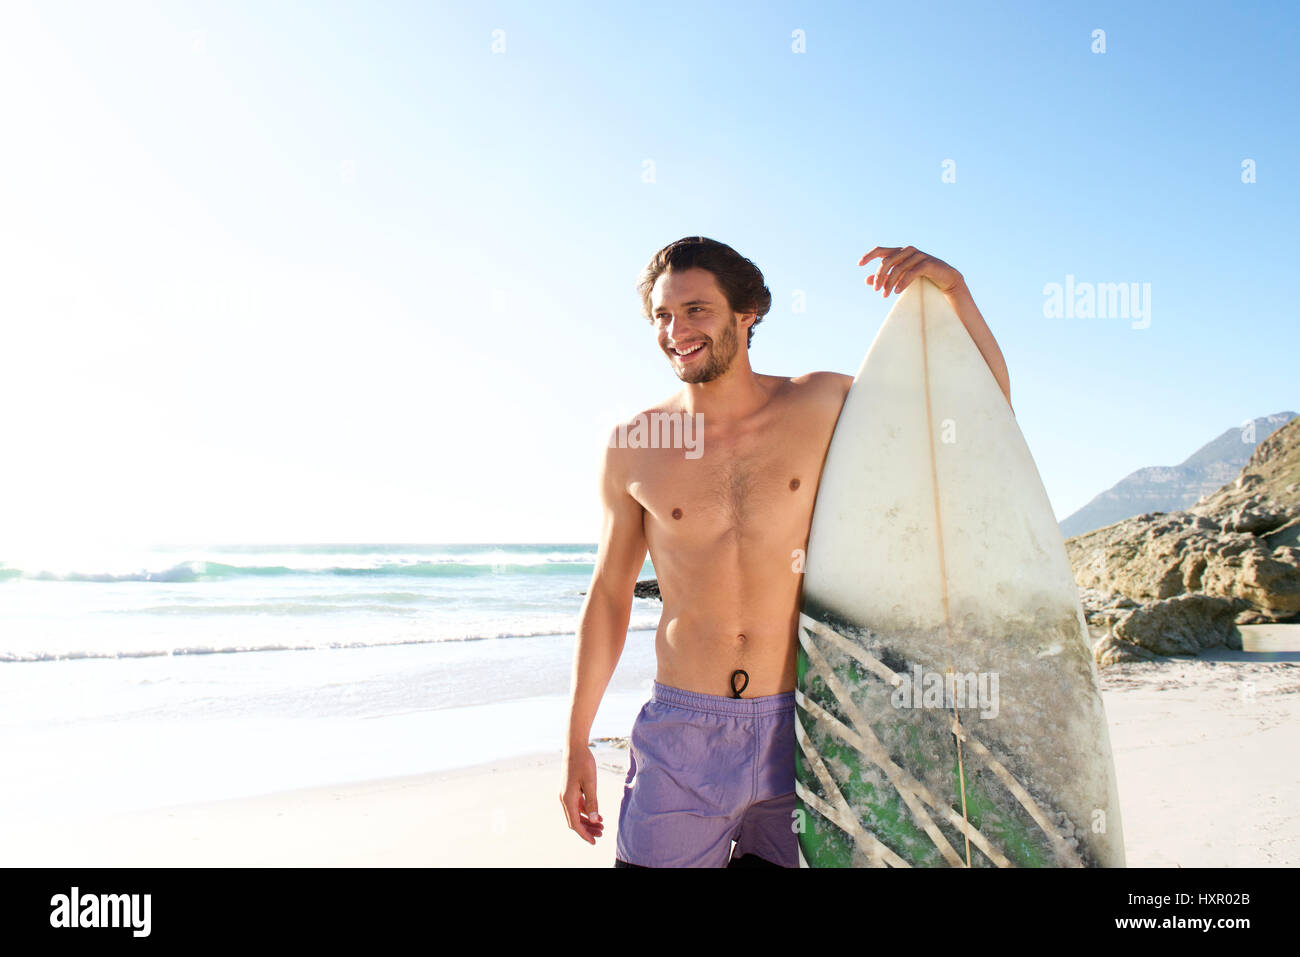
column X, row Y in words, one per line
column 502, row 814
column 1204, row 750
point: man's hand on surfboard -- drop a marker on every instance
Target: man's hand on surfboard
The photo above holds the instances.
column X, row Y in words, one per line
column 899, row 265
column 579, row 795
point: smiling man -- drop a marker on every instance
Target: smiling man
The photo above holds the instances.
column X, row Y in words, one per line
column 712, row 751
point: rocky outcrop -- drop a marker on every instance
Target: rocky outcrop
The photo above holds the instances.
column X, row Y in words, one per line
column 1176, row 583
column 1112, row 651
column 1183, row 625
column 1159, row 556
column 1128, row 630
column 645, row 588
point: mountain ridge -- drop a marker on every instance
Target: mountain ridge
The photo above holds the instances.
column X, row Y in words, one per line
column 1169, row 488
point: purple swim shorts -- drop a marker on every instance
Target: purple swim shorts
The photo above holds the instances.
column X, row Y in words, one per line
column 706, row 770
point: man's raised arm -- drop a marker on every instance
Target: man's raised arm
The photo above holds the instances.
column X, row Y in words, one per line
column 602, row 632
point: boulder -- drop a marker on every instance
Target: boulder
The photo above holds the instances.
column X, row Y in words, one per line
column 1112, row 650
column 1183, row 625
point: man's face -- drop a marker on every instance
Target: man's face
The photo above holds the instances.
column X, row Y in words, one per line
column 693, row 325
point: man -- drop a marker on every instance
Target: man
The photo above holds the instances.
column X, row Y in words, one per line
column 712, row 752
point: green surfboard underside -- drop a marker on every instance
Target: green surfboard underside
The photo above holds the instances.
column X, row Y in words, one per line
column 921, row 742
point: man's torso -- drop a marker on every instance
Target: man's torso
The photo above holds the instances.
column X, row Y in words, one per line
column 727, row 531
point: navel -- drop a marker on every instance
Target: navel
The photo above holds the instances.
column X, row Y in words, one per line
column 677, row 513
column 794, row 484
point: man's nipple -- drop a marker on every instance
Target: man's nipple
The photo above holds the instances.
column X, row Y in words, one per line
column 677, row 513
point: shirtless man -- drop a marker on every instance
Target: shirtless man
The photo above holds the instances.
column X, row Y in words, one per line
column 712, row 752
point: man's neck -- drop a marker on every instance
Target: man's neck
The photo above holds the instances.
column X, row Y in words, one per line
column 733, row 396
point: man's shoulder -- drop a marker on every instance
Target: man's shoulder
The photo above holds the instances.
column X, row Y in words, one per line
column 824, row 379
column 640, row 422
column 826, row 386
column 667, row 406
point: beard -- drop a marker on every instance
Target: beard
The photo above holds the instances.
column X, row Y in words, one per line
column 721, row 354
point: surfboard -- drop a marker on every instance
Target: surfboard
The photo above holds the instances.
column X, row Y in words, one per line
column 947, row 705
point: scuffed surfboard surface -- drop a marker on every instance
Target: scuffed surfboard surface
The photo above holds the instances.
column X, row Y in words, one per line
column 934, row 551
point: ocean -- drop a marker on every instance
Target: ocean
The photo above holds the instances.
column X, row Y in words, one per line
column 180, row 673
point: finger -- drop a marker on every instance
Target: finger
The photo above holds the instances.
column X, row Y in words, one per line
column 589, row 805
column 912, row 271
column 877, row 251
column 885, row 253
column 568, row 812
column 590, row 816
column 896, row 270
column 576, row 824
column 887, row 266
column 904, row 280
column 887, row 263
column 592, row 824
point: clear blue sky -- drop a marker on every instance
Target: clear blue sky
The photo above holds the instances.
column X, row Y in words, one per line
column 339, row 272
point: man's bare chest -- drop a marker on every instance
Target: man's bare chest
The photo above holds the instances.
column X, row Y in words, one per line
column 746, row 488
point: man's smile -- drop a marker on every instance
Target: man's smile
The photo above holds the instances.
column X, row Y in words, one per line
column 685, row 352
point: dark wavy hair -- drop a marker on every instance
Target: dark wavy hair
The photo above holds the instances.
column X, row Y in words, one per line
column 738, row 278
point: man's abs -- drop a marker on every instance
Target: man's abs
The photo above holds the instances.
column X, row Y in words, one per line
column 701, row 650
